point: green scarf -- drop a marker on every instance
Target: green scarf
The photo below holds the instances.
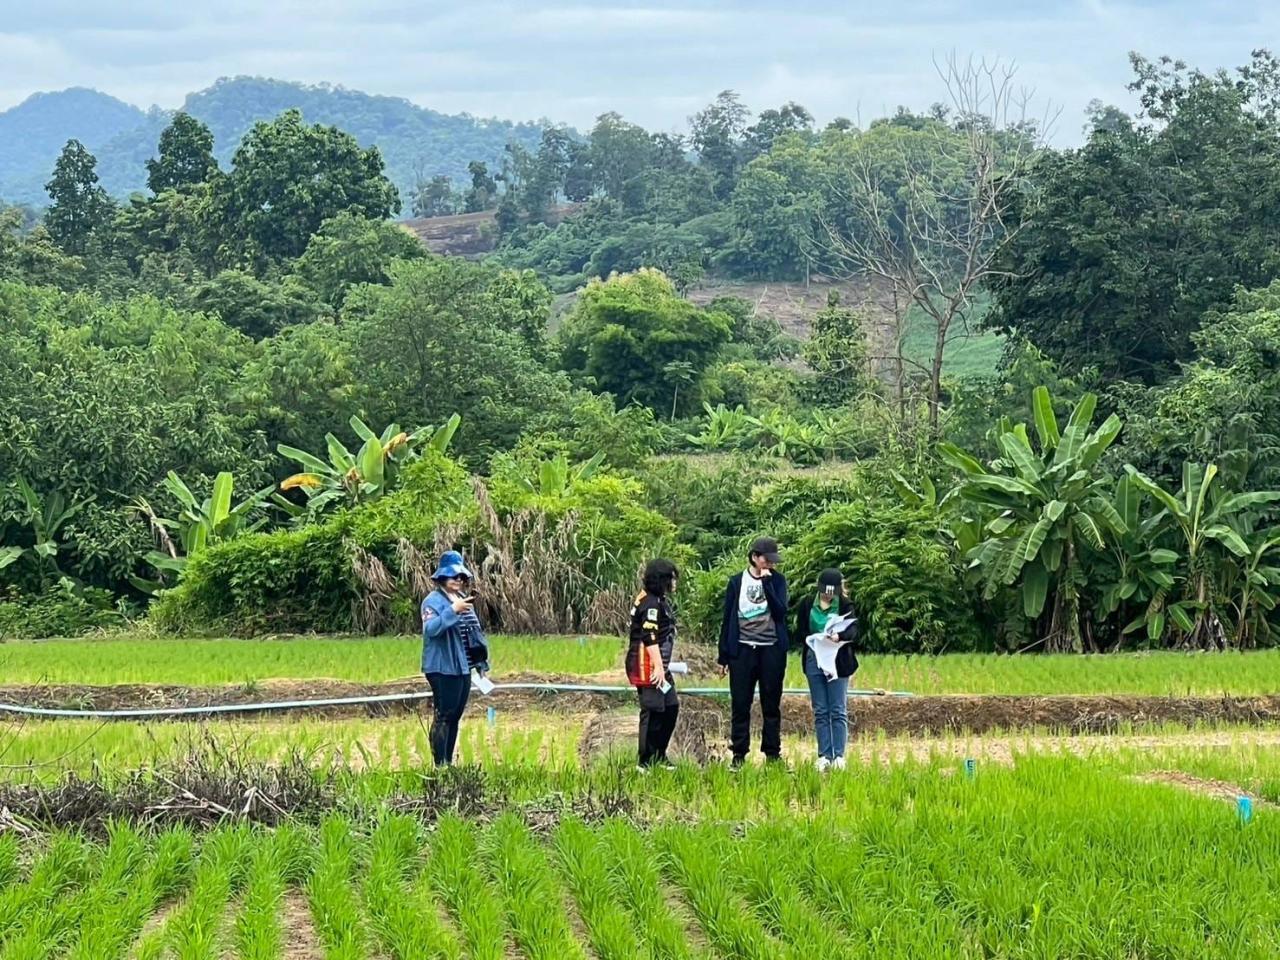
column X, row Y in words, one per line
column 818, row 617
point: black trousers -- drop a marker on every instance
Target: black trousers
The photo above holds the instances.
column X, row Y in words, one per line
column 658, row 712
column 765, row 666
column 448, row 699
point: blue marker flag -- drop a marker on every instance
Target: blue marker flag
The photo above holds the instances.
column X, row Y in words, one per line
column 1244, row 806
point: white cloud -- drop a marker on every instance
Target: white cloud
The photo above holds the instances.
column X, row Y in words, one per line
column 655, row 61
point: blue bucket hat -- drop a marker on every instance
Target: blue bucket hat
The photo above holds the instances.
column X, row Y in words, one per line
column 451, row 565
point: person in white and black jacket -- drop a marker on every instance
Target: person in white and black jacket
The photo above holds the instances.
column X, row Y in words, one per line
column 652, row 639
column 753, row 649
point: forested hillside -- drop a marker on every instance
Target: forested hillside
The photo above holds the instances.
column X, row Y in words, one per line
column 246, row 400
column 414, row 141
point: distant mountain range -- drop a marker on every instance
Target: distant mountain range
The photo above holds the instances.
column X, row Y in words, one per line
column 412, row 139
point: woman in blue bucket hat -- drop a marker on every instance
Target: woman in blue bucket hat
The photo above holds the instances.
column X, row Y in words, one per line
column 453, row 644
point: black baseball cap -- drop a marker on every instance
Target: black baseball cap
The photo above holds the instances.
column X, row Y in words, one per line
column 766, row 547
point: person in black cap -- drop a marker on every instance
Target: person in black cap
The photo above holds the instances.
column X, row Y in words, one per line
column 653, row 635
column 828, row 614
column 453, row 644
column 753, row 649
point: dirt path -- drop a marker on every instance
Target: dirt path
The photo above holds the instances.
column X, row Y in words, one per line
column 703, row 739
column 300, row 940
column 1218, row 789
column 914, row 716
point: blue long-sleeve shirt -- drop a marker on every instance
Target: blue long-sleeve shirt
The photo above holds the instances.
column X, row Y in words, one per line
column 446, row 635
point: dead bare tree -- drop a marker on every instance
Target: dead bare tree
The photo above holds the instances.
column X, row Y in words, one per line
column 927, row 207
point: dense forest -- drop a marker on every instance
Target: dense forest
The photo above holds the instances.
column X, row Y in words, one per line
column 415, row 143
column 245, row 400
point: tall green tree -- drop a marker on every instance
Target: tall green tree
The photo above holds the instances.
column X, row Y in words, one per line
column 716, row 133
column 1134, row 236
column 627, row 332
column 185, row 156
column 80, row 207
column 287, row 178
column 836, row 351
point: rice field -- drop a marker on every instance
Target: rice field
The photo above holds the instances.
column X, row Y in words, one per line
column 1049, row 857
column 133, row 660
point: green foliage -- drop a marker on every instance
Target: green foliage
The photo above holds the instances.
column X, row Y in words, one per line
column 62, row 611
column 199, row 522
column 1041, row 511
column 1223, row 407
column 286, row 581
column 625, row 332
column 185, row 156
column 367, row 474
column 287, row 179
column 432, row 341
column 1222, row 542
column 1138, row 233
column 79, row 208
column 905, row 583
column 255, row 308
column 836, row 351
column 102, row 400
column 350, row 249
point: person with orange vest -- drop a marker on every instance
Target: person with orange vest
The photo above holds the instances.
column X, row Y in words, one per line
column 652, row 638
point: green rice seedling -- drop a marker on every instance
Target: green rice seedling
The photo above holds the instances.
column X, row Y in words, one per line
column 635, row 878
column 455, row 874
column 404, row 917
column 535, row 902
column 195, row 930
column 62, row 867
column 50, row 929
column 9, row 849
column 338, row 915
column 690, row 856
column 107, row 931
column 763, row 863
column 611, row 929
column 258, row 933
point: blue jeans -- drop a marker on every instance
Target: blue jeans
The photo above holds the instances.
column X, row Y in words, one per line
column 830, row 709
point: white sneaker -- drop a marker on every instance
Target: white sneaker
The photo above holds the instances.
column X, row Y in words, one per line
column 822, row 764
column 838, row 763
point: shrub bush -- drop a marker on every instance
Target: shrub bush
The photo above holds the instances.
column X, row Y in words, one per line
column 906, row 584
column 65, row 611
column 286, row 581
column 343, row 574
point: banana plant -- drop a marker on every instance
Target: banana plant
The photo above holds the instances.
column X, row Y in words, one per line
column 725, row 428
column 46, row 516
column 556, row 476
column 1050, row 508
column 1142, row 574
column 1258, row 592
column 366, row 474
column 199, row 524
column 1210, row 527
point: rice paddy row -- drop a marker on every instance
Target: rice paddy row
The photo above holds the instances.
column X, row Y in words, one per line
column 534, row 746
column 134, row 660
column 1052, row 857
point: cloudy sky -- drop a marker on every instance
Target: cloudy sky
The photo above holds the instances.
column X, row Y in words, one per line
column 655, row 62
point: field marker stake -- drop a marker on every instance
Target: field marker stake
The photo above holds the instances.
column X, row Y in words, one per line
column 970, row 767
column 1244, row 806
column 493, row 716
